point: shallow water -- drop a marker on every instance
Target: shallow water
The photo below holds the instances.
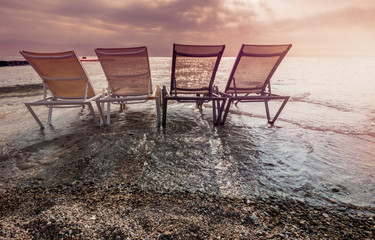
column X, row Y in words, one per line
column 321, row 149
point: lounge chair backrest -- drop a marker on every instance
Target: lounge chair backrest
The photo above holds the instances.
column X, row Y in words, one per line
column 194, row 67
column 254, row 67
column 62, row 73
column 127, row 70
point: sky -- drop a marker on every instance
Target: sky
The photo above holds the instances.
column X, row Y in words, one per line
column 315, row 28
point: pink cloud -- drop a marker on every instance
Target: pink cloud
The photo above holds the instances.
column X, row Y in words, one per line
column 158, row 25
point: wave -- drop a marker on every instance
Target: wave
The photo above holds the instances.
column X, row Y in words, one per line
column 303, row 98
column 338, row 130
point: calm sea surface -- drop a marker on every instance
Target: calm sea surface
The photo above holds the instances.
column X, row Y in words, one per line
column 322, row 147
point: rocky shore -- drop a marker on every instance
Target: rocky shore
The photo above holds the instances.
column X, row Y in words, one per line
column 69, row 188
column 91, row 210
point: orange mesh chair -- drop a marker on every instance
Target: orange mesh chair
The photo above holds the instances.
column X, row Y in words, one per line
column 129, row 78
column 66, row 80
column 193, row 72
column 250, row 78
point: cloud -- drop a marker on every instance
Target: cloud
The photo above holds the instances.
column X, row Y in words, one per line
column 348, row 31
column 159, row 23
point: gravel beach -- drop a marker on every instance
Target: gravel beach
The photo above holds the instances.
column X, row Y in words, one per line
column 90, row 210
column 69, row 188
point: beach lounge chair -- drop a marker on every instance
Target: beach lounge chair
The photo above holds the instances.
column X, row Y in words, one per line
column 66, row 80
column 129, row 78
column 250, row 78
column 193, row 72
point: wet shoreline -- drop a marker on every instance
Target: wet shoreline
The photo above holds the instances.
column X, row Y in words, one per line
column 96, row 183
column 188, row 181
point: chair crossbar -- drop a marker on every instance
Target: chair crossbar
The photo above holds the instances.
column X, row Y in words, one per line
column 262, row 55
column 120, row 53
column 128, row 75
column 64, row 79
column 197, row 54
column 50, row 56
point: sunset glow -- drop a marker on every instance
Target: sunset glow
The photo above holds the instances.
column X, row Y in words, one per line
column 315, row 28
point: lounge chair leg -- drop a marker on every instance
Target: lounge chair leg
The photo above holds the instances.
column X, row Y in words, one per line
column 93, row 114
column 214, row 112
column 35, row 116
column 226, row 111
column 108, row 113
column 100, row 107
column 157, row 99
column 267, row 111
column 164, row 93
column 49, row 115
column 279, row 111
column 220, row 109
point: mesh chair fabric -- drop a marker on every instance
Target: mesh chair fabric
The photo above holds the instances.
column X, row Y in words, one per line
column 62, row 73
column 254, row 66
column 195, row 67
column 127, row 70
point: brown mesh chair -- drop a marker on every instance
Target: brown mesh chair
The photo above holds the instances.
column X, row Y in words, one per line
column 65, row 78
column 193, row 72
column 129, row 78
column 250, row 78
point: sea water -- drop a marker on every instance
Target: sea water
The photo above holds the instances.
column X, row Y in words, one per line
column 320, row 150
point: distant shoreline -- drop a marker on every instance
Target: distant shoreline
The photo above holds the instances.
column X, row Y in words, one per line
column 13, row 63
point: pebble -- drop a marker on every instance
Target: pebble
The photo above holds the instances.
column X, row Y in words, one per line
column 101, row 212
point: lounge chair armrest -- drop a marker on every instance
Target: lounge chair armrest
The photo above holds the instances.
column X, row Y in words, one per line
column 100, row 95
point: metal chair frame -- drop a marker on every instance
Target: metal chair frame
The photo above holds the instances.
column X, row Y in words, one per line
column 197, row 95
column 242, row 94
column 151, row 94
column 58, row 101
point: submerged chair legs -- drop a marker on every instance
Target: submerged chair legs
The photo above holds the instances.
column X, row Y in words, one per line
column 225, row 109
column 157, row 101
column 164, row 105
column 216, row 105
column 217, row 109
column 270, row 120
column 106, row 114
column 42, row 103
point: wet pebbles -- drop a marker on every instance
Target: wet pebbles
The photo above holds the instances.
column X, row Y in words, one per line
column 91, row 210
